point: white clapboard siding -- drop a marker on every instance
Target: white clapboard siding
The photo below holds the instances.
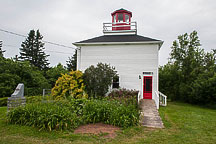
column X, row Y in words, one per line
column 130, row 61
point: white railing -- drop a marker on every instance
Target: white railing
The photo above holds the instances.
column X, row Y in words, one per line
column 108, row 27
column 157, row 99
column 163, row 99
column 139, row 97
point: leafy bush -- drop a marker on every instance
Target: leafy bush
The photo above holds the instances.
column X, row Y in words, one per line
column 14, row 72
column 123, row 93
column 3, row 101
column 77, row 106
column 8, row 83
column 98, row 79
column 69, row 86
column 204, row 90
column 54, row 73
column 44, row 116
column 29, row 99
column 169, row 81
column 110, row 112
column 124, row 96
column 38, row 99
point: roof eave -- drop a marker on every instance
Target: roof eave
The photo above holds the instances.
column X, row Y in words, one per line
column 160, row 45
column 119, row 43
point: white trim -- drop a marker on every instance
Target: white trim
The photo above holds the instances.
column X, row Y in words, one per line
column 120, row 32
column 151, row 74
column 157, row 97
column 78, row 58
column 119, row 43
column 108, row 28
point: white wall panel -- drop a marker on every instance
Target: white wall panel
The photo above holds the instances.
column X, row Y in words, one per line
column 129, row 60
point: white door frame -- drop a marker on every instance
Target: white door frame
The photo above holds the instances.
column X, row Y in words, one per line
column 146, row 73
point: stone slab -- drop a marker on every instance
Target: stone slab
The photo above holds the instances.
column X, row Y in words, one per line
column 149, row 114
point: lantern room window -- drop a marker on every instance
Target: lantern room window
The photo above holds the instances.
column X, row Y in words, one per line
column 120, row 17
column 127, row 18
column 121, row 20
column 114, row 19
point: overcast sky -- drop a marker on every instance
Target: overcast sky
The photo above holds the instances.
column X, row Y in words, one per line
column 68, row 21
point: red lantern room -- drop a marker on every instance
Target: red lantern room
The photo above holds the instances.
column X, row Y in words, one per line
column 121, row 20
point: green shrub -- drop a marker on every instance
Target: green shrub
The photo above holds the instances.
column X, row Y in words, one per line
column 69, row 86
column 66, row 114
column 124, row 96
column 3, row 101
column 110, row 112
column 38, row 99
column 54, row 73
column 98, row 79
column 45, row 116
column 77, row 105
column 33, row 99
column 14, row 72
column 203, row 90
column 29, row 99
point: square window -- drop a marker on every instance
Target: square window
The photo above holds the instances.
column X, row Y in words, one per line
column 114, row 19
column 120, row 17
column 115, row 82
column 126, row 18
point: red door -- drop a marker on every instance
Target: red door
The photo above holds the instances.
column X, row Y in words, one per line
column 147, row 87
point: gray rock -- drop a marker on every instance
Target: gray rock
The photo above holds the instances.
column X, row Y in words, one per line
column 19, row 91
column 17, row 98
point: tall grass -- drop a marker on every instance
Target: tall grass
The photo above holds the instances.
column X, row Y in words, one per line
column 70, row 114
column 111, row 112
column 44, row 116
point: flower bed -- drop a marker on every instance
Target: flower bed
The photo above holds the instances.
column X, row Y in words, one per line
column 70, row 114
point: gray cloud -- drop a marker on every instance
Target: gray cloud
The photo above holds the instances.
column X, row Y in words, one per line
column 68, row 21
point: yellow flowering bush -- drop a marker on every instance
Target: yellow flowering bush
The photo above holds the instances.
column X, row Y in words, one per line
column 69, row 86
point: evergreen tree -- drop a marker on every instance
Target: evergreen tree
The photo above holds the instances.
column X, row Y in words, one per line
column 32, row 50
column 1, row 51
column 72, row 62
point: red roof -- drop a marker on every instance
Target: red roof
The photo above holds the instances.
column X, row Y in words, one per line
column 122, row 11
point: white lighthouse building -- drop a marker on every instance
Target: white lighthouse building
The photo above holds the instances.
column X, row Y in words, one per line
column 135, row 57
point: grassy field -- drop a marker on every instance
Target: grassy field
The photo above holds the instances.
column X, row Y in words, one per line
column 184, row 123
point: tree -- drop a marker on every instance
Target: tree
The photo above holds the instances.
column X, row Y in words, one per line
column 72, row 62
column 186, row 54
column 14, row 72
column 98, row 79
column 1, row 51
column 169, row 81
column 204, row 87
column 33, row 50
column 54, row 73
column 190, row 74
column 187, row 58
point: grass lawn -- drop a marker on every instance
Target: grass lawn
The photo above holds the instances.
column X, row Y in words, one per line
column 184, row 124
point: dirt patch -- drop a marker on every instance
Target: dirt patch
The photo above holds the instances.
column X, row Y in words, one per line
column 97, row 129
